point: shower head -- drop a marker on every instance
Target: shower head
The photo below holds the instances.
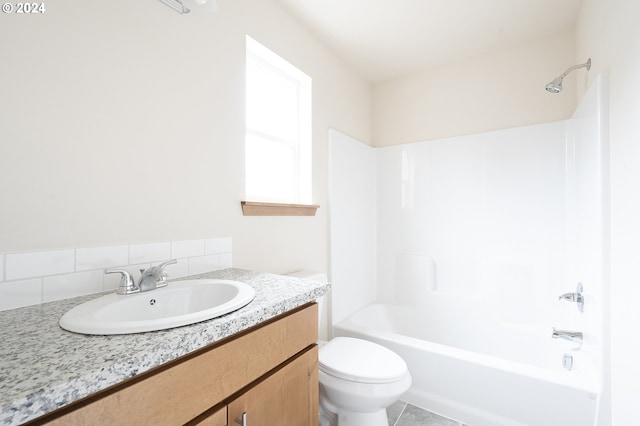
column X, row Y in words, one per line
column 556, row 85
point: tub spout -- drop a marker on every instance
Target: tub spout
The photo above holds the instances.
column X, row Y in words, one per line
column 572, row 336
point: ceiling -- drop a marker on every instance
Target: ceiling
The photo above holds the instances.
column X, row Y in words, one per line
column 385, row 39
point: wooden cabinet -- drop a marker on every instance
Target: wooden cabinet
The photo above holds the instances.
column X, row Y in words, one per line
column 217, row 418
column 270, row 372
column 288, row 397
column 285, row 397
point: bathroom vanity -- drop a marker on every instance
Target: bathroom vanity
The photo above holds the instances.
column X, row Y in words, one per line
column 269, row 374
column 259, row 363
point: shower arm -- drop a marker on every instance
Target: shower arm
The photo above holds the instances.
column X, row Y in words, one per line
column 586, row 65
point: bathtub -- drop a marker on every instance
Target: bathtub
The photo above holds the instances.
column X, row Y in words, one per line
column 482, row 372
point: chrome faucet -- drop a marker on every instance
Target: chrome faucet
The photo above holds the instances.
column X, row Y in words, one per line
column 151, row 278
column 155, row 277
column 572, row 336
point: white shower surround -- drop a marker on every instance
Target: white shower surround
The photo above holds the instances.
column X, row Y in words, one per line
column 481, row 234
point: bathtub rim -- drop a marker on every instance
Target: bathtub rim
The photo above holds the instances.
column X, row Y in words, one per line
column 582, row 380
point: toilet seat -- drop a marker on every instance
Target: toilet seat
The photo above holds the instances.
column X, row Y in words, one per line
column 361, row 361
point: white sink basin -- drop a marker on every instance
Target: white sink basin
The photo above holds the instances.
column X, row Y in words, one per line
column 179, row 303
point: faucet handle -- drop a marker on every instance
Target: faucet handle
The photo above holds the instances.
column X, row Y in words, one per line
column 127, row 284
column 168, row 262
column 576, row 297
column 162, row 278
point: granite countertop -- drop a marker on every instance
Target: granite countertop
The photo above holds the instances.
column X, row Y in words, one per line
column 43, row 367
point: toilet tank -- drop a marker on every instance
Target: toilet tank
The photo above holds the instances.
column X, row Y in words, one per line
column 310, row 275
column 323, row 308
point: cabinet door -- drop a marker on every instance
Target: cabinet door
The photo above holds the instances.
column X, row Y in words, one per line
column 287, row 397
column 217, row 418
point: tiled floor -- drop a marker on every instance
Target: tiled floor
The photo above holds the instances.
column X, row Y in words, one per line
column 403, row 414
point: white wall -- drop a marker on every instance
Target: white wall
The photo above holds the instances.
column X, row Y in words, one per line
column 123, row 122
column 594, row 39
column 609, row 33
column 495, row 90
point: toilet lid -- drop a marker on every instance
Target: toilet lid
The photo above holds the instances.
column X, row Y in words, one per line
column 361, row 361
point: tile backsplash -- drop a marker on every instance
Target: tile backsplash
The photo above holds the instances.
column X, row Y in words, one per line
column 30, row 278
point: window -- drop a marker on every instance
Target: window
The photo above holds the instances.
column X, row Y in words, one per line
column 278, row 129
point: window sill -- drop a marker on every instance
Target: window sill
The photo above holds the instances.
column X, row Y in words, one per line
column 251, row 208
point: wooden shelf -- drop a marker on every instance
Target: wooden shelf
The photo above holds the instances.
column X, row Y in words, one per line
column 252, row 208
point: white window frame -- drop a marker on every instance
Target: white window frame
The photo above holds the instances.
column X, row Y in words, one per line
column 300, row 180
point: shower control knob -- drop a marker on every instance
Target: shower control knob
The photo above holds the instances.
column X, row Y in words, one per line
column 576, row 297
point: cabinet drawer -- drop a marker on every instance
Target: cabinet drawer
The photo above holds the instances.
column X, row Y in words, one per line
column 187, row 387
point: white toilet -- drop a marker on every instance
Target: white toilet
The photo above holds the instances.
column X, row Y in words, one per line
column 358, row 379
